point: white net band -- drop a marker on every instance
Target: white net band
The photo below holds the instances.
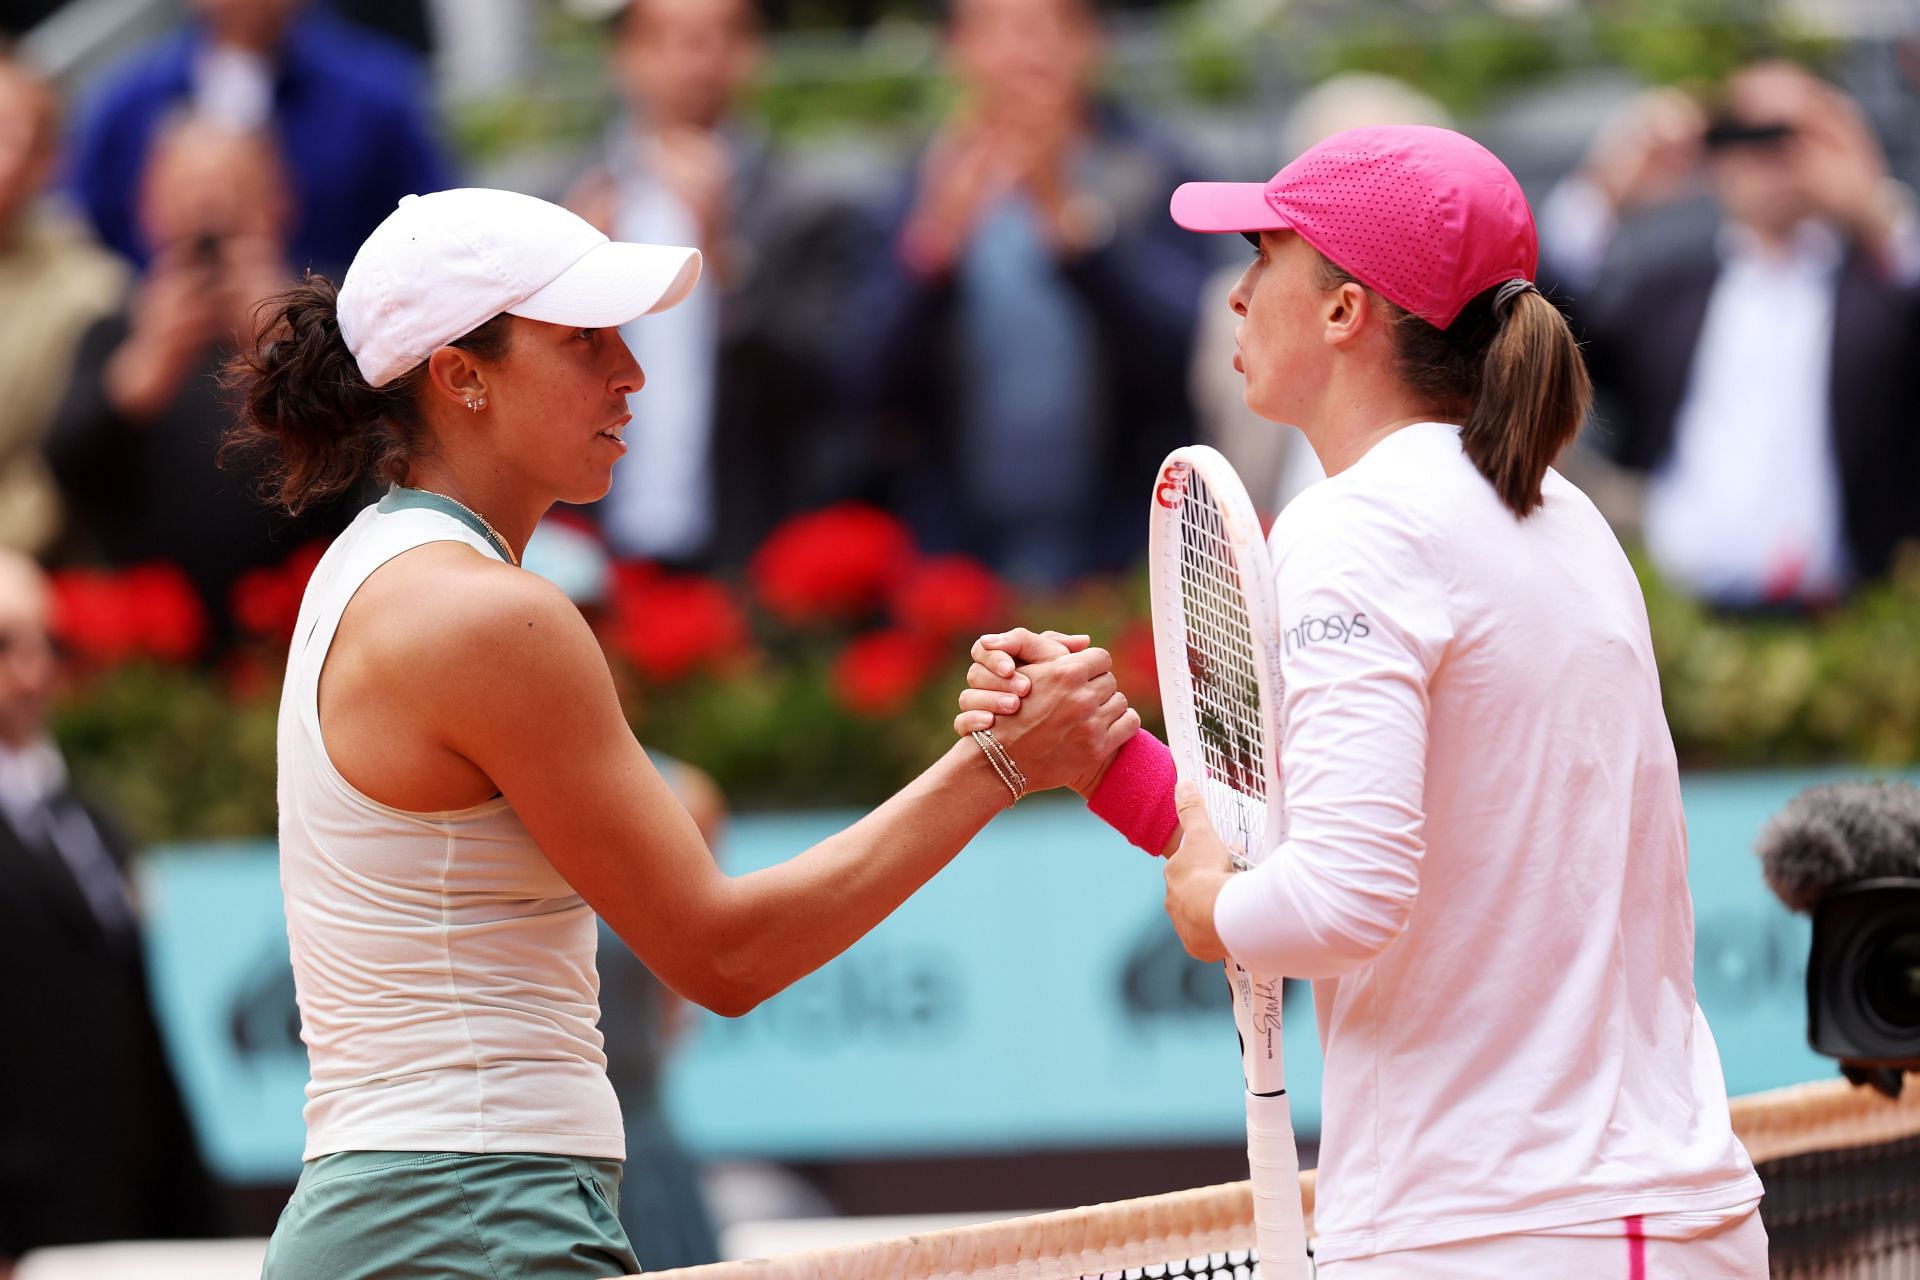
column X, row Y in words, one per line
column 1842, row 1167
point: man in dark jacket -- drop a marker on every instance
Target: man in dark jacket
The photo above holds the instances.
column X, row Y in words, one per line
column 94, row 1141
column 1765, row 384
column 1023, row 339
column 737, row 426
column 347, row 109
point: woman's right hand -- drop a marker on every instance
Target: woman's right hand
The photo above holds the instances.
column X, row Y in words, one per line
column 995, row 684
column 1648, row 151
column 1069, row 723
column 174, row 320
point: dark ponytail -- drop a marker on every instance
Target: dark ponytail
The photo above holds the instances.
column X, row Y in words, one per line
column 1511, row 373
column 303, row 407
column 1532, row 396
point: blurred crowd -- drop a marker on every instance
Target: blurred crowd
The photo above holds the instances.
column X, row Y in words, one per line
column 999, row 348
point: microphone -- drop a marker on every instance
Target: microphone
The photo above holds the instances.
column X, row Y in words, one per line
column 1840, row 834
column 1848, row 854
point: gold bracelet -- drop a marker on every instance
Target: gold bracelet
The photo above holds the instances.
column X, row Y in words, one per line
column 1006, row 761
column 993, row 762
column 1002, row 763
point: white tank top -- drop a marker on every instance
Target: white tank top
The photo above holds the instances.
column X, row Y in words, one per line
column 444, row 969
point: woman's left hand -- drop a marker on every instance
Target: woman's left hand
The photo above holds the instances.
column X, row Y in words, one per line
column 1196, row 872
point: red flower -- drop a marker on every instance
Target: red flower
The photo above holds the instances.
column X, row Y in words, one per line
column 669, row 626
column 834, row 564
column 879, row 674
column 169, row 620
column 949, row 596
column 87, row 616
column 266, row 602
column 150, row 610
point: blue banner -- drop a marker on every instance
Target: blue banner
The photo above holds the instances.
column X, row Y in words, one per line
column 1032, row 996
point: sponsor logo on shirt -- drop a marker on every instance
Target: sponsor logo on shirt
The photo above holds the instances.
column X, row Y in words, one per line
column 1331, row 629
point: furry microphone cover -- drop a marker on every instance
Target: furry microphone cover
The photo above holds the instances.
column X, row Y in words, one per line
column 1839, row 834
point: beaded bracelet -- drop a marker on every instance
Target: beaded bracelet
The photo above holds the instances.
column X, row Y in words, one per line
column 1002, row 763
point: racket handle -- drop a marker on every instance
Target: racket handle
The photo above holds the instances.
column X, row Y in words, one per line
column 1280, row 1226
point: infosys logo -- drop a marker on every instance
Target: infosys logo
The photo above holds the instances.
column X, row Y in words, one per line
column 1333, row 627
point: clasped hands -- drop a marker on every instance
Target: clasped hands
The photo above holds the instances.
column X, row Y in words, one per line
column 1002, row 685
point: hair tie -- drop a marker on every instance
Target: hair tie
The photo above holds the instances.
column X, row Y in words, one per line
column 1503, row 298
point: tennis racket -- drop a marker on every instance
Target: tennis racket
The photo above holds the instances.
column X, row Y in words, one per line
column 1218, row 646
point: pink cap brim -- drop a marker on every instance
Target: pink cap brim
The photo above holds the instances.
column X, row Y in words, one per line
column 1225, row 206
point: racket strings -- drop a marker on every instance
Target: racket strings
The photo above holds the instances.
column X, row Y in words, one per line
column 1221, row 656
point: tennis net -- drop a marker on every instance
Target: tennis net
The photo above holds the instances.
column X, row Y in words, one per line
column 1841, row 1167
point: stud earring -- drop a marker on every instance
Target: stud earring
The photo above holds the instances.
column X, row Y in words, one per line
column 475, row 405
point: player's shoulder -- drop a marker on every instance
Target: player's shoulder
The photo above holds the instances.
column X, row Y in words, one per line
column 457, row 605
column 1386, row 520
column 1392, row 494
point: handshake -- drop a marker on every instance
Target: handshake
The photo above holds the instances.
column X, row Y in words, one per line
column 1051, row 702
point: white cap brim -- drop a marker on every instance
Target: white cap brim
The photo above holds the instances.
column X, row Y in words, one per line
column 614, row 283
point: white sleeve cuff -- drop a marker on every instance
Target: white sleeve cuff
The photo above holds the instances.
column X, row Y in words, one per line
column 1242, row 918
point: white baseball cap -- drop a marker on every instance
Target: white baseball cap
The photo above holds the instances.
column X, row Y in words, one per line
column 442, row 265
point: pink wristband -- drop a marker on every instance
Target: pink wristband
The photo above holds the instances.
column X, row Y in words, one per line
column 1136, row 796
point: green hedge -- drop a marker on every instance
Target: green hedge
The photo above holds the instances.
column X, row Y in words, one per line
column 187, row 753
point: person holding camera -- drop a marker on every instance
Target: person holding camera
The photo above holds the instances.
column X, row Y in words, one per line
column 133, row 443
column 1763, row 388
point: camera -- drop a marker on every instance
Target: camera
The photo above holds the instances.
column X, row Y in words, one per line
column 1848, row 855
column 1863, row 974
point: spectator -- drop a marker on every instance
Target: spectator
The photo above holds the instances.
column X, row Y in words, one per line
column 53, row 283
column 95, row 1143
column 1766, row 389
column 680, row 166
column 1275, row 461
column 411, row 22
column 346, row 108
column 135, row 442
column 1026, row 336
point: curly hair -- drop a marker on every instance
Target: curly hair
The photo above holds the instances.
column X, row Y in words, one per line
column 303, row 406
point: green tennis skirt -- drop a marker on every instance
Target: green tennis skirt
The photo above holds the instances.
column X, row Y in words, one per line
column 447, row 1215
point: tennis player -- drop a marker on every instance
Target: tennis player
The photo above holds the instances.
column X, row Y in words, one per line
column 459, row 792
column 1486, row 865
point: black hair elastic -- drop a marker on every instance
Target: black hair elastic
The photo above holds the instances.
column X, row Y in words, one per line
column 1503, row 299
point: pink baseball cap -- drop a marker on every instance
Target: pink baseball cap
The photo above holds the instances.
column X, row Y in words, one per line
column 1428, row 218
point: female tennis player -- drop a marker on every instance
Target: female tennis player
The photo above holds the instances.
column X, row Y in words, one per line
column 459, row 793
column 1486, row 866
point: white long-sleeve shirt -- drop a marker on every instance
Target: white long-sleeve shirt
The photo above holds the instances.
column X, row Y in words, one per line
column 1485, row 869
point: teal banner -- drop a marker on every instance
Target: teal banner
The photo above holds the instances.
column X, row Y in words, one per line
column 1032, row 996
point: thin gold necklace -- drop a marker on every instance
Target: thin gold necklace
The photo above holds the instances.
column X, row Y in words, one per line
column 505, row 548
